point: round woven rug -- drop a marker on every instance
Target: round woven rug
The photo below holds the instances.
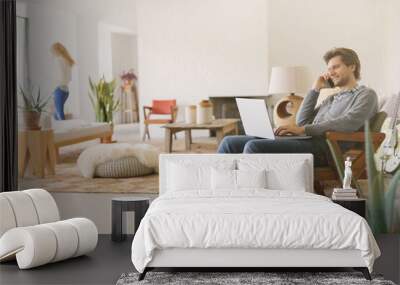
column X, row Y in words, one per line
column 244, row 278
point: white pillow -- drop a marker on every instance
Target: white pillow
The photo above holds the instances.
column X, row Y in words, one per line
column 293, row 179
column 223, row 179
column 183, row 178
column 281, row 175
column 186, row 175
column 227, row 179
column 251, row 178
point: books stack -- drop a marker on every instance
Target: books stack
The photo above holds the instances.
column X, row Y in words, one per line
column 344, row 194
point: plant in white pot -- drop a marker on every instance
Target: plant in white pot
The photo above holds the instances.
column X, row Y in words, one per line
column 382, row 214
column 33, row 107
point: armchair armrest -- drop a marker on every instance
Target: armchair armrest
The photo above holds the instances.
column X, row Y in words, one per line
column 332, row 139
column 353, row 136
column 147, row 111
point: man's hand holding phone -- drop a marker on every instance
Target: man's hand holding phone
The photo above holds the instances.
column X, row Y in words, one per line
column 323, row 81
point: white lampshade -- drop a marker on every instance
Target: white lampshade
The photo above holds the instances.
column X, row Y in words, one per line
column 289, row 79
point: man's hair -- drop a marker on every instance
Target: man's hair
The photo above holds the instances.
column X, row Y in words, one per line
column 348, row 56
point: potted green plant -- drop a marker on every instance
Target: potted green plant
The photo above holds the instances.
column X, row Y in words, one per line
column 103, row 99
column 34, row 106
column 382, row 214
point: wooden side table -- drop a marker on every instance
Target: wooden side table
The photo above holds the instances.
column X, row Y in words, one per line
column 36, row 149
column 357, row 206
column 123, row 204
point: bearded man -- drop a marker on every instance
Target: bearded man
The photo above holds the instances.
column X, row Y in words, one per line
column 345, row 111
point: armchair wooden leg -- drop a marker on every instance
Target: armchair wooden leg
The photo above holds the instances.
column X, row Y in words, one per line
column 319, row 188
column 146, row 132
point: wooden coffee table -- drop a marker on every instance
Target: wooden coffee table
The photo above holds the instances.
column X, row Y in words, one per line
column 220, row 126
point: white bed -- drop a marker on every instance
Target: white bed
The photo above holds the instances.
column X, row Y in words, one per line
column 202, row 220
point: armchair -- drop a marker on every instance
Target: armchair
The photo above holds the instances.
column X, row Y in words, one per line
column 335, row 169
column 159, row 107
column 32, row 233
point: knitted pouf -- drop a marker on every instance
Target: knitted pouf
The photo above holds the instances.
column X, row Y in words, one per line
column 118, row 160
column 123, row 167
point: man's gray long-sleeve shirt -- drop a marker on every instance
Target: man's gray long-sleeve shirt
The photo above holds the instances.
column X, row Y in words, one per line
column 344, row 112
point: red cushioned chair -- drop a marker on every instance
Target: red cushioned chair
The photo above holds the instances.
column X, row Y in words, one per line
column 159, row 107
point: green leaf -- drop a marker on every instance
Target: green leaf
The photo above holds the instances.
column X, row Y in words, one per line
column 102, row 99
column 338, row 159
column 26, row 100
column 91, row 99
column 91, row 84
column 376, row 211
column 390, row 196
column 31, row 102
column 38, row 97
column 32, row 99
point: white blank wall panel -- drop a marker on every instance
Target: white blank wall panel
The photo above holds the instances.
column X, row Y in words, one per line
column 191, row 49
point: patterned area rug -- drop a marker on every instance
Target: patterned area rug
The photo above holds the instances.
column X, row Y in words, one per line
column 68, row 178
column 243, row 278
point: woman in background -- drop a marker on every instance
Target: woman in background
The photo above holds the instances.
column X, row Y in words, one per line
column 65, row 63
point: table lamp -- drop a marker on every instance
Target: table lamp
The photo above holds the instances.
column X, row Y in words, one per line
column 288, row 80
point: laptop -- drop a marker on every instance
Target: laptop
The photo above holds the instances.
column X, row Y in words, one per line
column 256, row 120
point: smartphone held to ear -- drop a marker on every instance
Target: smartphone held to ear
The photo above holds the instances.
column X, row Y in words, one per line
column 329, row 83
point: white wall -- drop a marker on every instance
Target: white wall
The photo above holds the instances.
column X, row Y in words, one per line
column 105, row 57
column 191, row 50
column 124, row 53
column 391, row 45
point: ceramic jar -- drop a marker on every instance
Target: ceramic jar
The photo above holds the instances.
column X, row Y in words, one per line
column 204, row 112
column 190, row 114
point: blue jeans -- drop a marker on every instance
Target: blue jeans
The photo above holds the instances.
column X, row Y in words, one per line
column 249, row 144
column 60, row 96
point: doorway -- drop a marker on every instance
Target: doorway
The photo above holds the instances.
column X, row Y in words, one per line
column 124, row 62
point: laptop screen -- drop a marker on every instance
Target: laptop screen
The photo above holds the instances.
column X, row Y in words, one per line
column 255, row 118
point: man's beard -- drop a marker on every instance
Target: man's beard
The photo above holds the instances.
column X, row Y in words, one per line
column 342, row 82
